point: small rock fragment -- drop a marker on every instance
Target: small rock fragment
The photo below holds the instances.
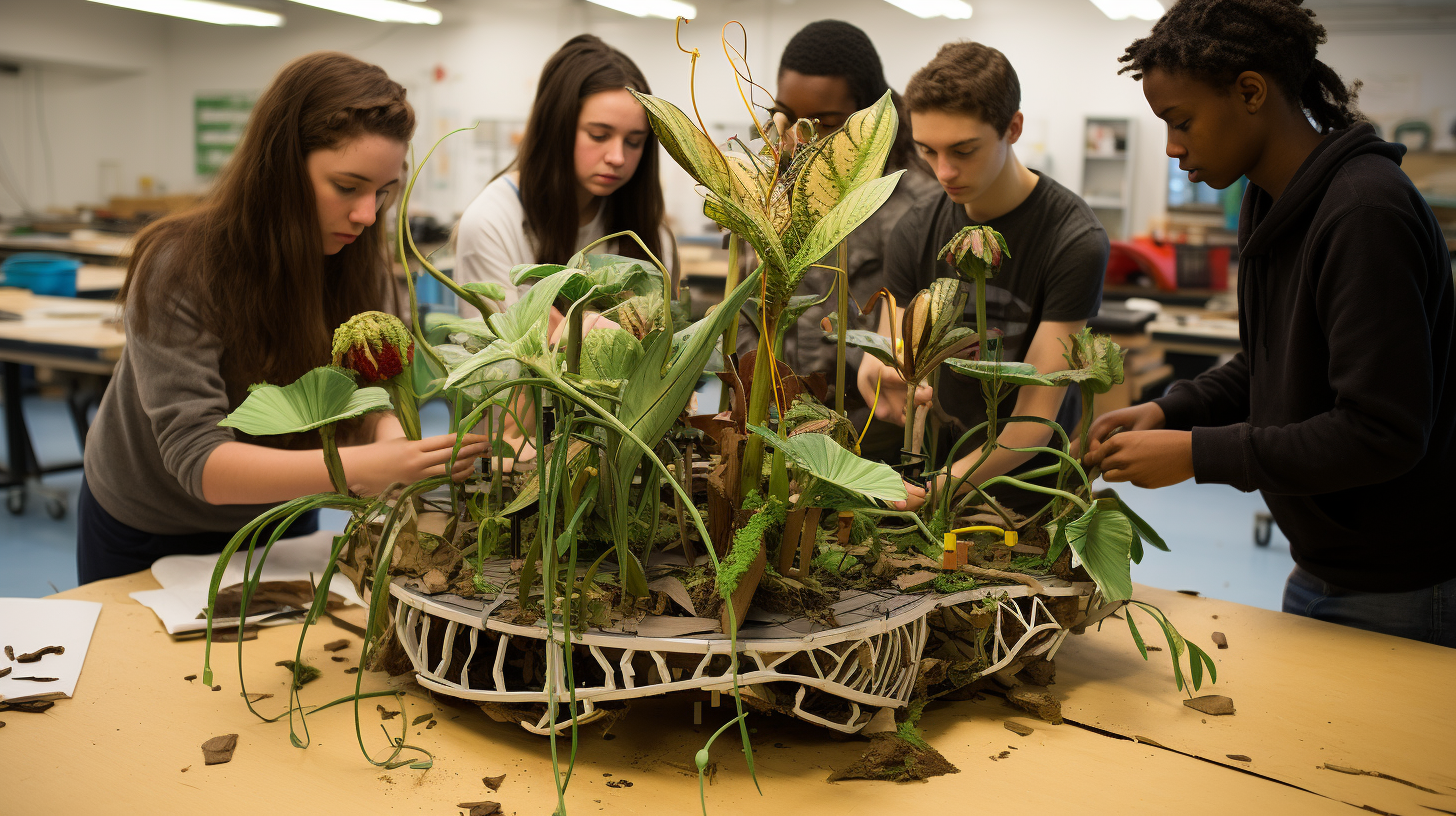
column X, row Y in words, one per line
column 1037, row 701
column 217, row 687
column 480, row 808
column 218, row 750
column 338, row 659
column 1214, row 704
column 352, row 670
column 336, row 645
column 493, row 782
column 1220, row 640
column 434, row 582
column 1019, row 729
column 431, row 724
column 1238, row 757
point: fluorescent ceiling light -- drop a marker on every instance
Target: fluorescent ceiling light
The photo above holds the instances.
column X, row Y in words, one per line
column 204, row 11
column 666, row 9
column 1123, row 9
column 384, row 11
column 925, row 9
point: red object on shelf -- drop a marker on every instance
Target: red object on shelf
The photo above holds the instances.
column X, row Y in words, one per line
column 1159, row 261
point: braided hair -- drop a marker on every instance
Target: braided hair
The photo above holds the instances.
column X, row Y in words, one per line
column 838, row 49
column 1216, row 40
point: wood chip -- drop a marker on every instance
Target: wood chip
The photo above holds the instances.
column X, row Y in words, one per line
column 1238, row 757
column 421, row 718
column 1019, row 729
column 36, row 655
column 480, row 808
column 338, row 659
column 255, row 697
column 386, row 714
column 189, row 678
column 1215, row 704
column 37, row 679
column 218, row 750
column 28, row 706
column 493, row 782
column 1192, row 592
column 1220, row 640
column 10, row 653
column 5, row 671
column 336, row 645
column 352, row 670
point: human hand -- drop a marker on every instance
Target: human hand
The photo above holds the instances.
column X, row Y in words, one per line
column 590, row 321
column 371, row 469
column 914, row 498
column 890, row 406
column 1153, row 458
column 1145, row 417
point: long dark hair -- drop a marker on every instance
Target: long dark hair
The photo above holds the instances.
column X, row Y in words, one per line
column 1216, row 40
column 250, row 259
column 583, row 66
column 840, row 49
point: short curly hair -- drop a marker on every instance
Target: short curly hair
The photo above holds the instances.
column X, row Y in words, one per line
column 967, row 78
column 1216, row 40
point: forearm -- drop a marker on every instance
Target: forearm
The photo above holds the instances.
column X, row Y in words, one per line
column 240, row 473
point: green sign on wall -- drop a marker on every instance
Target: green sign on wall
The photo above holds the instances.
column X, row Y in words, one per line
column 218, row 121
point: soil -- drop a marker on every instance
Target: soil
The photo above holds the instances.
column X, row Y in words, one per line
column 36, row 655
column 1040, row 673
column 219, row 750
column 1037, row 701
column 894, row 759
column 1214, row 704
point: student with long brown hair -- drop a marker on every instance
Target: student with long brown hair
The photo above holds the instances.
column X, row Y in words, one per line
column 248, row 288
column 587, row 168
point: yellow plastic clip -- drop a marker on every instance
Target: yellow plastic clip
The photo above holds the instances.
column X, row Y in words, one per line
column 955, row 551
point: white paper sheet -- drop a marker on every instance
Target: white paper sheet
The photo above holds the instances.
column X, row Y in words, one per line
column 185, row 580
column 30, row 624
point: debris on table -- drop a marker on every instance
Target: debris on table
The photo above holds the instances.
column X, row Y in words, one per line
column 304, row 674
column 896, row 759
column 1215, row 704
column 1238, row 757
column 480, row 808
column 1358, row 772
column 422, row 718
column 1220, row 640
column 338, row 659
column 189, row 678
column 10, row 653
column 619, row 783
column 219, row 750
column 352, row 670
column 32, row 657
column 217, row 687
column 493, row 782
column 1019, row 729
column 385, row 714
column 28, row 706
column 336, row 645
column 37, row 679
column 1037, row 701
column 5, row 671
column 255, row 697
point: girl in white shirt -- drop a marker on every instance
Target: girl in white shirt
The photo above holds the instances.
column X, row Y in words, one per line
column 587, row 167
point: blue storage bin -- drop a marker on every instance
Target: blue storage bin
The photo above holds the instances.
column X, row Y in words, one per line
column 43, row 273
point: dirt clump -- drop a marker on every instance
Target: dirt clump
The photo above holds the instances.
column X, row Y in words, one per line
column 218, row 750
column 1215, row 704
column 896, row 759
column 1037, row 701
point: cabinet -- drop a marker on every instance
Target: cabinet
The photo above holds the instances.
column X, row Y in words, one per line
column 1107, row 164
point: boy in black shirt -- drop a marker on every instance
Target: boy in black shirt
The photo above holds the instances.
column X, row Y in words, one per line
column 965, row 120
column 1341, row 406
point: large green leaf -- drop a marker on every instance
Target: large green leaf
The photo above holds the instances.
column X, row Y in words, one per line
column 1010, row 373
column 689, row 147
column 824, row 459
column 604, row 277
column 844, row 160
column 876, row 345
column 321, row 397
column 1102, row 538
column 856, row 206
column 490, row 290
column 530, row 314
column 482, row 366
column 1096, row 363
column 750, row 224
column 609, row 354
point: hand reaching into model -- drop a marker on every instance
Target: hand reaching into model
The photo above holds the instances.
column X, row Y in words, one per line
column 372, row 468
column 891, row 404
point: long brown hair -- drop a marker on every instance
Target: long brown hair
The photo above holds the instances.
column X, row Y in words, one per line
column 583, row 66
column 250, row 259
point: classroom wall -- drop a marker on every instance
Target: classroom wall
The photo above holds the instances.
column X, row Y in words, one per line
column 113, row 90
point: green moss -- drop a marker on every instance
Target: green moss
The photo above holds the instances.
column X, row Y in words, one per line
column 908, row 730
column 305, row 674
column 947, row 583
column 748, row 541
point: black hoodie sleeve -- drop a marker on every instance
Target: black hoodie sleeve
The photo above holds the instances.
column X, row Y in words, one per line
column 1219, row 396
column 1370, row 298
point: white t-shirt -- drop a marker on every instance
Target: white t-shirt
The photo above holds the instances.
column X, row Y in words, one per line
column 492, row 239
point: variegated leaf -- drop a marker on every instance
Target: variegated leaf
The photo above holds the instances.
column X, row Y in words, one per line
column 844, row 160
column 689, row 147
column 858, row 205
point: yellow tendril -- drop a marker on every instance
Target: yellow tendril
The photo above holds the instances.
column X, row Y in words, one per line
column 878, row 379
column 692, row 68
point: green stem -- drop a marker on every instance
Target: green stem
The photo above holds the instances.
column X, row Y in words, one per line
column 730, row 334
column 1035, row 488
column 839, row 360
column 332, row 460
column 760, row 396
column 406, row 404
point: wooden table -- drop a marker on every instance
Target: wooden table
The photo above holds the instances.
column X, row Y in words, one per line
column 64, row 334
column 103, row 248
column 99, row 282
column 1307, row 694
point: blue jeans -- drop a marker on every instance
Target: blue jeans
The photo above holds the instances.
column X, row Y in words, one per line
column 1426, row 614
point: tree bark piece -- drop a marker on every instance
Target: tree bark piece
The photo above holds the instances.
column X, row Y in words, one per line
column 219, row 750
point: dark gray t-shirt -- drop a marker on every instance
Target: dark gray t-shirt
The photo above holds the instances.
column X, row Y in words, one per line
column 1053, row 271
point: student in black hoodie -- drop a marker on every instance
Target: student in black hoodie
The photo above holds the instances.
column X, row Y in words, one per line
column 1341, row 405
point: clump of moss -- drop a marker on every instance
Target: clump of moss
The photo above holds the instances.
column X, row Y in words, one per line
column 303, row 673
column 748, row 541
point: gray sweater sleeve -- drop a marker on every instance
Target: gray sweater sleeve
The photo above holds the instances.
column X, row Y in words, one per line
column 176, row 372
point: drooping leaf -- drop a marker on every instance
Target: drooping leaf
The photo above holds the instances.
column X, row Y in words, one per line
column 1136, row 635
column 1102, row 537
column 852, row 210
column 609, row 354
column 1010, row 373
column 490, row 290
column 844, row 160
column 872, row 343
column 605, row 277
column 750, row 224
column 1096, row 363
column 320, row 397
column 529, row 314
column 473, row 383
column 823, row 458
column 1143, row 528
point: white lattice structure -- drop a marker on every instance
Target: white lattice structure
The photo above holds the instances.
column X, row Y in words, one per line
column 869, row 661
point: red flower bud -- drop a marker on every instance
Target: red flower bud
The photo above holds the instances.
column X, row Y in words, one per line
column 374, row 345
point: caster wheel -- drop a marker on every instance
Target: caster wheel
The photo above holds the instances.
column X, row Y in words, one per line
column 56, row 508
column 15, row 500
column 1263, row 529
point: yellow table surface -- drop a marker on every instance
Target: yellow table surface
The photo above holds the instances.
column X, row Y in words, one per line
column 1307, row 693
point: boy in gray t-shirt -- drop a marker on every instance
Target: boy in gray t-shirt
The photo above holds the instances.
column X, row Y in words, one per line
column 965, row 119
